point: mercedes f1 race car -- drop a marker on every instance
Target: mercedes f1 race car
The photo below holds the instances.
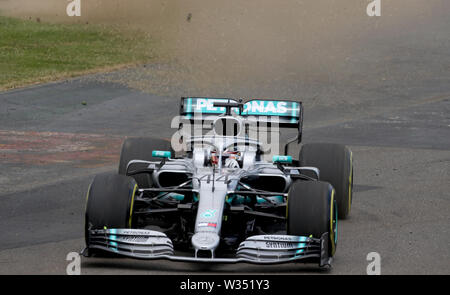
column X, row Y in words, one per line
column 223, row 197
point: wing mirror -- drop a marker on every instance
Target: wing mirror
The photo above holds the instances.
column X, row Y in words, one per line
column 282, row 159
column 161, row 154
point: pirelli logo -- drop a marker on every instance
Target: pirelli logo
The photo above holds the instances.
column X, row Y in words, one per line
column 132, row 239
column 280, row 245
column 278, row 238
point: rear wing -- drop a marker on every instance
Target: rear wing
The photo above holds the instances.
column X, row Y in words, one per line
column 289, row 113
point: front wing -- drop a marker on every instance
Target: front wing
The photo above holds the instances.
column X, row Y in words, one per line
column 261, row 249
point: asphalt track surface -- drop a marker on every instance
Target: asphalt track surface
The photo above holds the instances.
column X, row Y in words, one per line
column 54, row 138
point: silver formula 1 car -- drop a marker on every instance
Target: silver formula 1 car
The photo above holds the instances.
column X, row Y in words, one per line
column 224, row 196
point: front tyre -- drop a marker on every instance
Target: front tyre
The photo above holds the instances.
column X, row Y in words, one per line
column 141, row 148
column 109, row 203
column 335, row 164
column 311, row 211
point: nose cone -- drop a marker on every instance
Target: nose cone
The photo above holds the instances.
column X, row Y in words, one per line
column 205, row 240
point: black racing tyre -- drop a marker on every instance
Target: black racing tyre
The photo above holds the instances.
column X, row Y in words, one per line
column 141, row 148
column 110, row 201
column 311, row 211
column 335, row 163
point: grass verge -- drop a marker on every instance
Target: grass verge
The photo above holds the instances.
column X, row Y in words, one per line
column 34, row 52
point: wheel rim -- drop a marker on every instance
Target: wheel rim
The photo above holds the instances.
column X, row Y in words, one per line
column 333, row 223
column 350, row 183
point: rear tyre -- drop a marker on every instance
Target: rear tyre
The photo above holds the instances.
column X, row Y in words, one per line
column 141, row 148
column 335, row 164
column 109, row 203
column 311, row 210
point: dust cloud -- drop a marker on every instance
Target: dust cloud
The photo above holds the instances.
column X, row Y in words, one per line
column 246, row 48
